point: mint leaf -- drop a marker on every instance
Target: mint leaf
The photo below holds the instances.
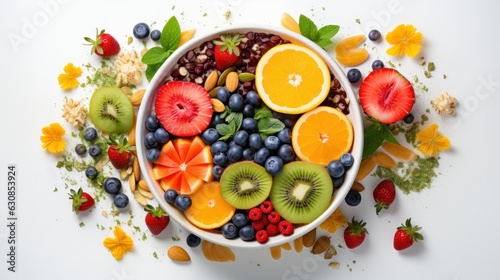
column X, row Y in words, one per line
column 155, row 55
column 374, row 136
column 237, row 120
column 307, row 28
column 172, row 37
column 262, row 112
column 224, row 130
column 270, row 126
column 151, row 70
column 325, row 35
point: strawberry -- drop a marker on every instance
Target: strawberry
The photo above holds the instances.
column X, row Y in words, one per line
column 406, row 235
column 384, row 195
column 119, row 151
column 103, row 45
column 82, row 201
column 355, row 233
column 156, row 219
column 386, row 95
column 226, row 51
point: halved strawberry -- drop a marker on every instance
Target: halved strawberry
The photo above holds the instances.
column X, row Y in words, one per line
column 386, row 95
column 183, row 108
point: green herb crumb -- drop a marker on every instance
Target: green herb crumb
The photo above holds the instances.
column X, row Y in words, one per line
column 176, row 238
column 155, row 255
column 82, row 224
column 391, row 64
column 431, row 66
column 358, row 21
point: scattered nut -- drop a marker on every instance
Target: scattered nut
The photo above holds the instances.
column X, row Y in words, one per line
column 321, row 245
column 143, row 185
column 330, row 252
column 246, row 77
column 141, row 199
column 213, row 92
column 335, row 265
column 177, row 253
column 444, row 103
column 136, row 168
column 136, row 98
column 309, row 238
column 148, row 195
column 132, row 183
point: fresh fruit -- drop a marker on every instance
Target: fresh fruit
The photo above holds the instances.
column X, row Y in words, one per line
column 247, row 233
column 353, row 198
column 210, row 135
column 193, row 241
column 377, row 64
column 355, row 233
column 255, row 213
column 239, row 220
column 226, row 51
column 111, row 111
column 80, row 149
column 119, row 151
column 399, row 151
column 156, row 219
column 285, row 227
column 266, row 207
column 229, row 231
column 120, row 200
column 90, row 134
column 406, row 235
column 409, row 118
column 347, row 159
column 384, row 195
column 286, row 153
column 152, row 122
column 235, row 102
column 177, row 253
column 161, row 136
column 103, row 45
column 184, row 165
column 245, row 184
column 208, row 210
column 273, row 165
column 141, row 30
column 321, row 135
column 155, row 35
column 301, row 192
column 292, row 79
column 253, row 98
column 386, row 95
column 288, row 22
column 170, row 195
column 335, row 168
column 82, row 201
column 112, row 185
column 183, row 108
column 95, row 151
column 374, row 35
column 366, row 166
column 354, row 75
column 262, row 236
column 347, row 52
column 152, row 154
column 91, row 172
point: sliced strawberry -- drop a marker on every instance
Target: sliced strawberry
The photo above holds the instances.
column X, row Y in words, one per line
column 386, row 95
column 226, row 51
column 183, row 108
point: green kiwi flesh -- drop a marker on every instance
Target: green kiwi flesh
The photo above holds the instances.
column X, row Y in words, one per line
column 301, row 192
column 111, row 111
column 245, row 184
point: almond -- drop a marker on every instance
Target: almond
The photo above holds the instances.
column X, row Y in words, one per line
column 136, row 98
column 136, row 168
column 211, row 80
column 213, row 92
column 143, row 185
column 366, row 166
column 223, row 75
column 217, row 253
column 147, row 194
column 335, row 265
column 357, row 186
column 177, row 253
column 131, row 133
column 232, row 81
column 218, row 105
column 132, row 183
column 384, row 160
column 140, row 198
column 321, row 245
column 298, row 244
column 330, row 252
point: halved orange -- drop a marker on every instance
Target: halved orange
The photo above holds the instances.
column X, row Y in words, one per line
column 321, row 135
column 208, row 209
column 292, row 79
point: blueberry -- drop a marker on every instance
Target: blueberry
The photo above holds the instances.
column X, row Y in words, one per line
column 90, row 134
column 223, row 95
column 152, row 154
column 247, row 233
column 141, row 30
column 112, row 185
column 150, row 140
column 80, row 149
column 216, row 119
column 346, row 159
column 231, row 143
column 234, row 153
column 241, row 137
column 219, row 147
column 261, row 156
column 274, row 165
column 120, row 200
column 248, row 154
column 170, row 195
column 377, row 64
column 248, row 111
column 94, row 151
column 217, row 171
column 253, row 98
column 161, row 135
column 337, row 182
column 353, row 198
column 235, row 102
column 182, row 202
column 335, row 168
column 151, row 122
column 229, row 231
column 239, row 220
column 193, row 241
column 155, row 35
column 409, row 118
column 220, row 159
column 249, row 124
column 272, row 142
column 91, row 172
column 374, row 35
column 285, row 135
column 255, row 141
column 286, row 153
column 210, row 135
column 354, row 75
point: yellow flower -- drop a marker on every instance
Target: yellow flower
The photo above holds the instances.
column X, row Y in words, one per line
column 431, row 142
column 332, row 223
column 52, row 138
column 120, row 244
column 405, row 40
column 68, row 80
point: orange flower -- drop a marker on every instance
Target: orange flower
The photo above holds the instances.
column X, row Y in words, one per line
column 332, row 223
column 120, row 244
column 52, row 138
column 431, row 142
column 68, row 80
column 405, row 40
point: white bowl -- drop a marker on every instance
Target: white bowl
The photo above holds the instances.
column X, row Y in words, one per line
column 158, row 80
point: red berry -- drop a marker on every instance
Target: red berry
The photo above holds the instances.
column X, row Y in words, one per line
column 272, row 229
column 103, row 45
column 285, row 228
column 384, row 195
column 355, row 233
column 266, row 207
column 262, row 236
column 258, row 225
column 255, row 214
column 274, row 217
column 406, row 235
column 82, row 201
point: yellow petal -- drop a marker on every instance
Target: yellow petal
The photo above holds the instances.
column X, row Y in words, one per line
column 442, row 143
column 427, row 149
column 396, row 50
column 411, row 50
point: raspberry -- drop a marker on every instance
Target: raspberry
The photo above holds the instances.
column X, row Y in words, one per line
column 258, row 225
column 255, row 214
column 262, row 236
column 272, row 229
column 264, row 219
column 285, row 227
column 266, row 207
column 274, row 217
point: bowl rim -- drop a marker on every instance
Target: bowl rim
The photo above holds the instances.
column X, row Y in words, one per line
column 158, row 80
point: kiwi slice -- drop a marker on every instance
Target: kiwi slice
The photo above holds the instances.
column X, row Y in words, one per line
column 111, row 111
column 245, row 184
column 301, row 192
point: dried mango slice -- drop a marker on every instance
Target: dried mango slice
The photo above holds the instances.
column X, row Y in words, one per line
column 399, row 151
column 290, row 23
column 384, row 160
column 347, row 52
column 217, row 253
column 276, row 252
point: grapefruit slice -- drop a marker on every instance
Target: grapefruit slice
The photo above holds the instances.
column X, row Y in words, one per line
column 184, row 165
column 183, row 108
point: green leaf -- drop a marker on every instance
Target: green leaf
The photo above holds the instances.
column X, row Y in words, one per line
column 325, row 35
column 223, row 129
column 237, row 120
column 270, row 125
column 323, row 42
column 375, row 135
column 155, row 55
column 171, row 34
column 229, row 117
column 151, row 70
column 307, row 28
column 262, row 112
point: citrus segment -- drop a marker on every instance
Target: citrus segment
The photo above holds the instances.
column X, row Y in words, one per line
column 292, row 79
column 321, row 135
column 208, row 210
column 288, row 22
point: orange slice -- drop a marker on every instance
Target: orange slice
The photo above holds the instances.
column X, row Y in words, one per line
column 292, row 79
column 208, row 209
column 322, row 135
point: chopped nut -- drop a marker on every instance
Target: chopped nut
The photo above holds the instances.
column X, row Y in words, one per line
column 335, row 265
column 74, row 112
column 128, row 65
column 183, row 71
column 202, row 58
column 444, row 103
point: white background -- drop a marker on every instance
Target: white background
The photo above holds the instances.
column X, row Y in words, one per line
column 459, row 213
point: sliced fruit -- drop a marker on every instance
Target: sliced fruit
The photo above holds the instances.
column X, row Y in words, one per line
column 366, row 166
column 288, row 22
column 292, row 79
column 347, row 52
column 245, row 184
column 217, row 253
column 384, row 160
column 386, row 95
column 321, row 135
column 186, row 35
column 111, row 111
column 399, row 151
column 183, row 108
column 301, row 192
column 184, row 165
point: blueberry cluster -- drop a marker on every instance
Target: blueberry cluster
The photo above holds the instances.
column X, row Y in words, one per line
column 180, row 201
column 155, row 138
column 113, row 186
column 142, row 31
column 337, row 168
column 354, row 75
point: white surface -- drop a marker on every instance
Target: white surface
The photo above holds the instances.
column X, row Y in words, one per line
column 458, row 214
